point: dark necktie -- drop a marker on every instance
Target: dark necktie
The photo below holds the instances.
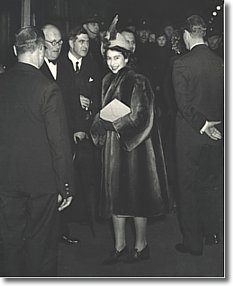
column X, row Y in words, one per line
column 77, row 67
column 52, row 61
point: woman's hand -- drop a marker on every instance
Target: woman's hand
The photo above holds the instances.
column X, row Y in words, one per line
column 107, row 125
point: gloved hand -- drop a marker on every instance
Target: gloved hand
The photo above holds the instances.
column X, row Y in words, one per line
column 107, row 125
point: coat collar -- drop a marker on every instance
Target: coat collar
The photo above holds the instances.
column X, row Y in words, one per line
column 25, row 67
column 114, row 84
column 199, row 46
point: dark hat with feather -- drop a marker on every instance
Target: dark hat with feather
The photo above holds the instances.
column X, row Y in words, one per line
column 113, row 38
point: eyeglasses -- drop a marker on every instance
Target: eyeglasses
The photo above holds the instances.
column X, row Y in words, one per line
column 54, row 43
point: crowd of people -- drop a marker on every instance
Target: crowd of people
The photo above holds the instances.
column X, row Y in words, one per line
column 63, row 160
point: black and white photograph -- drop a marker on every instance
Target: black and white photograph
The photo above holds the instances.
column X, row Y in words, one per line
column 112, row 139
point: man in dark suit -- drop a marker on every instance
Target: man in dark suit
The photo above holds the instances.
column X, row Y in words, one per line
column 36, row 171
column 53, row 69
column 84, row 105
column 198, row 84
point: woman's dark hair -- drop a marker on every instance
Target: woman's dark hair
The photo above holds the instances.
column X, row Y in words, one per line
column 126, row 53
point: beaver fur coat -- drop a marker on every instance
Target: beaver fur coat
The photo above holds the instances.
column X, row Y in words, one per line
column 133, row 173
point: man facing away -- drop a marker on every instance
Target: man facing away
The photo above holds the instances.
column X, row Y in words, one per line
column 36, row 172
column 198, row 83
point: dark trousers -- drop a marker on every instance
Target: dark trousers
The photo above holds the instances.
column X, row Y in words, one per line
column 168, row 136
column 85, row 170
column 83, row 207
column 29, row 227
column 199, row 193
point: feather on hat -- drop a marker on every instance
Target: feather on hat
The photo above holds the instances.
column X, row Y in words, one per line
column 113, row 38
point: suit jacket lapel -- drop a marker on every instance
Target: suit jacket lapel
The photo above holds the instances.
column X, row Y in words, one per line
column 46, row 71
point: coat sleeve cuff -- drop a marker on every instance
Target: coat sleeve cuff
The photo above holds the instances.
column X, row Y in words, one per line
column 204, row 127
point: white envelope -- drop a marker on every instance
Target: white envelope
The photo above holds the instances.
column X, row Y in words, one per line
column 114, row 110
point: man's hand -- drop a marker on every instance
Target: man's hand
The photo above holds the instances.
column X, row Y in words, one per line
column 85, row 102
column 212, row 131
column 79, row 136
column 64, row 202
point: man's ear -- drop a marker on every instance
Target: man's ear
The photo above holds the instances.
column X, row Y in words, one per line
column 15, row 51
column 85, row 26
column 187, row 36
column 71, row 44
column 42, row 48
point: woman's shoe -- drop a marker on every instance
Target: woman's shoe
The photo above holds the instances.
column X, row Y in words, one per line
column 137, row 256
column 116, row 256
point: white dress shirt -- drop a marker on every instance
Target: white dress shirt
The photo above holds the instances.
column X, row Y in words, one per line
column 74, row 60
column 52, row 67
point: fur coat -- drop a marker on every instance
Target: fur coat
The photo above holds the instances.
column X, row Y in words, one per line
column 131, row 183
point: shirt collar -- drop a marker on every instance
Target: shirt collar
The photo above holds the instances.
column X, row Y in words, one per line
column 48, row 62
column 74, row 59
column 196, row 44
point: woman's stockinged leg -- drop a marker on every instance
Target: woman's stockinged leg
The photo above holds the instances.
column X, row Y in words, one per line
column 140, row 229
column 141, row 250
column 119, row 232
column 120, row 249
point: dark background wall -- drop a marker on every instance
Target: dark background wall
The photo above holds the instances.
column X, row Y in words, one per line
column 68, row 13
column 155, row 11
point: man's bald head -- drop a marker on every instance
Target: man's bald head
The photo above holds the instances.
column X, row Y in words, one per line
column 53, row 41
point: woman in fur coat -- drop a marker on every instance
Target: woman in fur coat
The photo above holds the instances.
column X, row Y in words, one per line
column 132, row 183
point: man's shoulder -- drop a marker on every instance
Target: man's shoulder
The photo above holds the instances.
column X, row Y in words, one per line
column 28, row 77
column 63, row 59
column 183, row 58
column 199, row 54
column 27, row 73
column 90, row 63
column 43, row 82
column 64, row 62
column 186, row 61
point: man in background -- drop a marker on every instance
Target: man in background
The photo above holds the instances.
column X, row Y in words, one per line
column 130, row 38
column 92, row 26
column 215, row 41
column 143, row 50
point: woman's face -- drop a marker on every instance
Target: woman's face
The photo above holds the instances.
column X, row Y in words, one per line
column 115, row 61
column 161, row 41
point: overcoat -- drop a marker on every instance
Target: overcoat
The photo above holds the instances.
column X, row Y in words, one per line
column 130, row 182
